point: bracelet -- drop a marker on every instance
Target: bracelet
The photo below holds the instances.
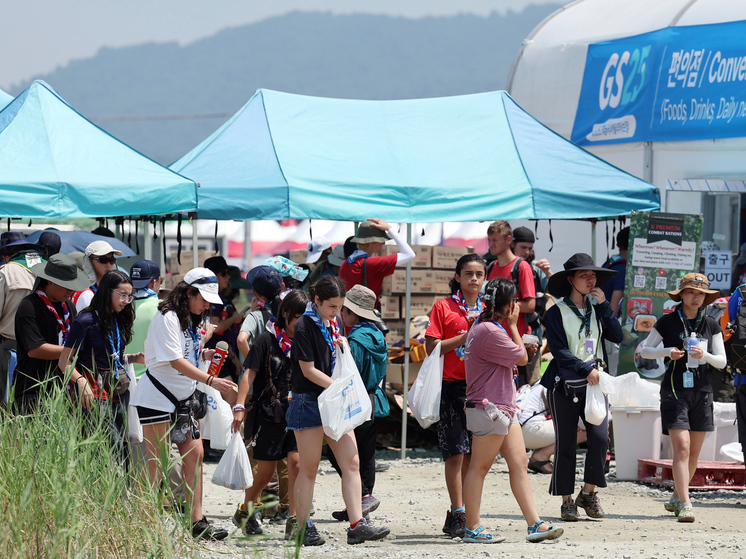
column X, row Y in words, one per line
column 239, row 408
column 79, row 378
column 209, row 380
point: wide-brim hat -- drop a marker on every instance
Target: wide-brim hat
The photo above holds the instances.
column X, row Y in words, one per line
column 362, row 301
column 237, row 281
column 698, row 282
column 558, row 286
column 18, row 246
column 367, row 233
column 62, row 270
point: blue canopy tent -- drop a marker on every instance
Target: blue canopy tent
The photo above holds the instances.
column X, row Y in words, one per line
column 464, row 158
column 56, row 164
column 4, row 99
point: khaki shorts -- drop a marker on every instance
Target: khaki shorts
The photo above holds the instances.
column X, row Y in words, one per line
column 538, row 434
column 480, row 424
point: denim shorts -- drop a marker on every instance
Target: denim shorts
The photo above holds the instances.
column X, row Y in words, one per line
column 303, row 413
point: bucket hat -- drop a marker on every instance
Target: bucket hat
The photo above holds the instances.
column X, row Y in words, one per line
column 15, row 241
column 206, row 282
column 286, row 267
column 558, row 285
column 361, row 300
column 367, row 233
column 698, row 282
column 316, row 247
column 237, row 281
column 62, row 270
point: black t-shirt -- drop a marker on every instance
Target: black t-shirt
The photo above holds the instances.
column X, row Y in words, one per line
column 671, row 329
column 36, row 325
column 265, row 357
column 309, row 345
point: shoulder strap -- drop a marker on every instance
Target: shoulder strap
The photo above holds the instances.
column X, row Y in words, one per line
column 365, row 273
column 162, row 389
column 515, row 273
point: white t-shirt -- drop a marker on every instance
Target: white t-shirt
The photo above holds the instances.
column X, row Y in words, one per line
column 530, row 400
column 166, row 342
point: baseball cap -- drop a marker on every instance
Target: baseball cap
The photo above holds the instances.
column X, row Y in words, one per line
column 337, row 256
column 207, row 282
column 267, row 281
column 316, row 246
column 523, row 235
column 100, row 248
column 143, row 272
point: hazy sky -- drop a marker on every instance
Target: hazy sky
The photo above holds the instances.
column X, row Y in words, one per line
column 45, row 34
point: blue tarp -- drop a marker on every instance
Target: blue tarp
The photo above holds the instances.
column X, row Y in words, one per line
column 56, row 164
column 4, row 99
column 465, row 158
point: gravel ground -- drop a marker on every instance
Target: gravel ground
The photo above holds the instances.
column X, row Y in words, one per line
column 414, row 502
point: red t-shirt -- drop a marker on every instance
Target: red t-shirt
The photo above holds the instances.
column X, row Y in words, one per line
column 526, row 289
column 448, row 320
column 376, row 268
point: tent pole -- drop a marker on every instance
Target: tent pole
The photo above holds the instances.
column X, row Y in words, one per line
column 593, row 240
column 195, row 239
column 147, row 246
column 407, row 302
column 247, row 244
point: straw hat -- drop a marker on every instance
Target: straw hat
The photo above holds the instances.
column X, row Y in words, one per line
column 698, row 282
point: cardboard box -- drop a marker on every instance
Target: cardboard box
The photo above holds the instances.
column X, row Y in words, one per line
column 445, row 258
column 298, row 256
column 422, row 255
column 423, row 282
column 421, row 304
column 395, row 374
column 396, row 331
column 186, row 260
column 390, row 307
column 442, row 281
column 170, row 282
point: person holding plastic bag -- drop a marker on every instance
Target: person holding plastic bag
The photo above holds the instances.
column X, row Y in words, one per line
column 314, row 351
column 267, row 371
column 369, row 350
column 492, row 355
column 173, row 350
column 450, row 321
column 577, row 327
column 693, row 345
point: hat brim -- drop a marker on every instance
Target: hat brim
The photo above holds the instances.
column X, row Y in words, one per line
column 360, row 311
column 80, row 283
column 142, row 283
column 209, row 296
column 334, row 261
column 372, row 239
column 19, row 246
column 711, row 295
column 313, row 257
column 558, row 286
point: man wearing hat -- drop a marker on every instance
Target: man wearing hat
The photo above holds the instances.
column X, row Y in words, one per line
column 42, row 322
column 364, row 266
column 319, row 249
column 100, row 257
column 16, row 281
column 146, row 281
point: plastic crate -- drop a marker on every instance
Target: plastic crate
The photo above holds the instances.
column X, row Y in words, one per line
column 709, row 475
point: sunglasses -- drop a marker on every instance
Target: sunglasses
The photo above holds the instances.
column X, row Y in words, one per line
column 696, row 283
column 105, row 259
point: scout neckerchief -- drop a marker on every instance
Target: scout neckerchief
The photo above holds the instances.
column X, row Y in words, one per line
column 458, row 298
column 696, row 325
column 64, row 324
column 117, row 348
column 281, row 336
column 330, row 338
column 515, row 369
column 145, row 293
column 357, row 254
column 360, row 325
column 585, row 318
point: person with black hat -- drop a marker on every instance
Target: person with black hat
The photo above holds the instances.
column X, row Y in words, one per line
column 576, row 328
column 693, row 345
column 42, row 323
column 364, row 266
column 268, row 285
column 50, row 244
column 16, row 282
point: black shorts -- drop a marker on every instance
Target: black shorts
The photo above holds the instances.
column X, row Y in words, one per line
column 149, row 416
column 273, row 442
column 453, row 436
column 692, row 410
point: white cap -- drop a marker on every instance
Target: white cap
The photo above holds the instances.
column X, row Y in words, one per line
column 316, row 246
column 100, row 248
column 207, row 282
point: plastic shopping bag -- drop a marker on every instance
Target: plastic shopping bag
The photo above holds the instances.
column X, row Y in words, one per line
column 216, row 425
column 345, row 404
column 424, row 396
column 234, row 469
column 133, row 418
column 595, row 399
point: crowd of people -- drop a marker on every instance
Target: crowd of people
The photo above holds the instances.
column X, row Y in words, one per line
column 80, row 321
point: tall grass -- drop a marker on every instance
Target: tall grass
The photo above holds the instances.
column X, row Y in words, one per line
column 63, row 493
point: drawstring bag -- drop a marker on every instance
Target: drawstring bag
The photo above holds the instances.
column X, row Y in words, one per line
column 234, row 469
column 595, row 399
column 216, row 425
column 424, row 396
column 345, row 404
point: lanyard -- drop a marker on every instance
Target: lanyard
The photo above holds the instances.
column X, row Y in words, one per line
column 357, row 254
column 64, row 325
column 116, row 350
column 515, row 369
column 585, row 318
column 311, row 311
column 458, row 298
column 698, row 324
column 194, row 334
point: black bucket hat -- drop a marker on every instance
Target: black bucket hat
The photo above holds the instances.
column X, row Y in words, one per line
column 558, row 285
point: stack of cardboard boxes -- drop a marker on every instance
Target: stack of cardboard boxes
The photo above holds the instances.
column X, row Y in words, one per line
column 178, row 270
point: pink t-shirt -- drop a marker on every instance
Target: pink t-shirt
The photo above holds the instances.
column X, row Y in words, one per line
column 490, row 357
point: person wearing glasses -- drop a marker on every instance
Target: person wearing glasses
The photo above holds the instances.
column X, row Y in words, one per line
column 100, row 257
column 95, row 351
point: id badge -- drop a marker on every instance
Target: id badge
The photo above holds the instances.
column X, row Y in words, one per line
column 688, row 379
column 590, row 346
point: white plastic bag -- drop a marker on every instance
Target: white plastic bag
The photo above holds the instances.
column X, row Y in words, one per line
column 595, row 401
column 216, row 425
column 234, row 469
column 133, row 418
column 345, row 404
column 424, row 396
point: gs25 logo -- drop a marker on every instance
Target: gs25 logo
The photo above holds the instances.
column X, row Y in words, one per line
column 623, row 78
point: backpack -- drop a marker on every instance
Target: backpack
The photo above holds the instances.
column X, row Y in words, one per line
column 533, row 319
column 736, row 346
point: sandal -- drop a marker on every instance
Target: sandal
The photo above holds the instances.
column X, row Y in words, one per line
column 478, row 535
column 534, row 536
column 538, row 465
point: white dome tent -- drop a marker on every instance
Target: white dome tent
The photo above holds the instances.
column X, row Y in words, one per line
column 699, row 176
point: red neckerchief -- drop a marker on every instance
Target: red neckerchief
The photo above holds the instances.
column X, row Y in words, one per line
column 281, row 337
column 458, row 298
column 64, row 325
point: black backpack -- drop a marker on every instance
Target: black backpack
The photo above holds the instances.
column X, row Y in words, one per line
column 533, row 319
column 736, row 345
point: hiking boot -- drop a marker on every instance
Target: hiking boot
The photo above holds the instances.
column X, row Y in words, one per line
column 365, row 532
column 370, row 503
column 686, row 514
column 448, row 525
column 291, row 526
column 311, row 536
column 280, row 517
column 591, row 504
column 569, row 512
column 240, row 517
column 459, row 524
column 251, row 524
column 203, row 530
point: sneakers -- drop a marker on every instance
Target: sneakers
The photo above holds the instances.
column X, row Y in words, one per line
column 552, row 533
column 291, row 526
column 448, row 525
column 591, row 504
column 203, row 530
column 381, row 467
column 455, row 524
column 251, row 524
column 686, row 514
column 311, row 536
column 280, row 517
column 370, row 503
column 478, row 535
column 569, row 512
column 365, row 532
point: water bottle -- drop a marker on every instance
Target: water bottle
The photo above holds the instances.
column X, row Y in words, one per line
column 691, row 343
column 491, row 409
